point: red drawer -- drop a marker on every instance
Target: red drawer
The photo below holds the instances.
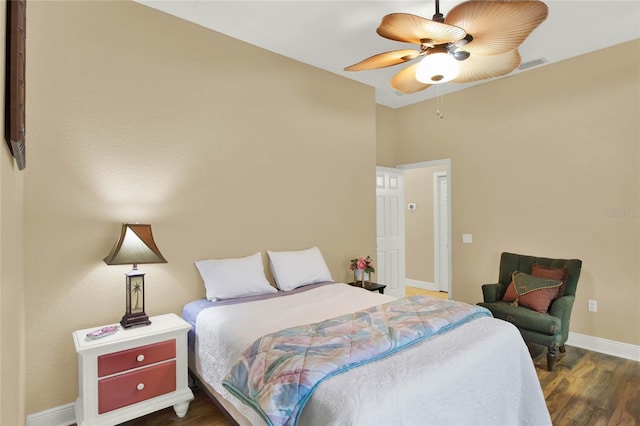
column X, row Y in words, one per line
column 136, row 357
column 130, row 388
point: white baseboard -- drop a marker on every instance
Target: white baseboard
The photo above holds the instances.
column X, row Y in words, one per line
column 63, row 415
column 605, row 346
column 424, row 285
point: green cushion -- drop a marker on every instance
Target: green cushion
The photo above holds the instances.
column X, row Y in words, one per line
column 525, row 283
column 524, row 318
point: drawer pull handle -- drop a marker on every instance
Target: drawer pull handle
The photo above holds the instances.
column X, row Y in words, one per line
column 140, row 386
column 140, row 358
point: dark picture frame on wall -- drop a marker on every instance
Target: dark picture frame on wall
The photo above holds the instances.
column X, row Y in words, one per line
column 14, row 108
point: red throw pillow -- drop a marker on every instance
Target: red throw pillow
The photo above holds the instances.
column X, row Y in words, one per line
column 535, row 293
column 510, row 295
column 549, row 273
column 539, row 300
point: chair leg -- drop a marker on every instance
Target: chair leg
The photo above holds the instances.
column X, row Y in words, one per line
column 551, row 358
column 562, row 349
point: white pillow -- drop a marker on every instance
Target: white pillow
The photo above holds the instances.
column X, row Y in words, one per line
column 293, row 269
column 232, row 278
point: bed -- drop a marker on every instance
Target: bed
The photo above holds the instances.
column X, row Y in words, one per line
column 451, row 378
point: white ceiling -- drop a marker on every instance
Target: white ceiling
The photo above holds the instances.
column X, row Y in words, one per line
column 332, row 34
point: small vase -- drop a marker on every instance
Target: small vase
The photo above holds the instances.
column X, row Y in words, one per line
column 361, row 276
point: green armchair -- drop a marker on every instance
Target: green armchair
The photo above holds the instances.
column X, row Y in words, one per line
column 551, row 328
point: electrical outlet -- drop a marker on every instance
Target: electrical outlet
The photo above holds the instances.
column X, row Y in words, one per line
column 593, row 305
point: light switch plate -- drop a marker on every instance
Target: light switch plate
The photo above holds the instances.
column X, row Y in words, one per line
column 467, row 238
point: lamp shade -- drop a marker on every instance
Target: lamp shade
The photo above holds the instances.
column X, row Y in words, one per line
column 135, row 246
column 437, row 67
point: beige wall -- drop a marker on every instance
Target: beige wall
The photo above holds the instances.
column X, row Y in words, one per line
column 12, row 326
column 226, row 149
column 545, row 163
column 419, row 223
column 12, row 331
column 386, row 136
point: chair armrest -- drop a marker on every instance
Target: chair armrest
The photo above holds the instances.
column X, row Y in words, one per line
column 561, row 308
column 493, row 292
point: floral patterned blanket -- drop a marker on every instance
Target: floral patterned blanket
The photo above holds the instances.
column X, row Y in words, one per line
column 279, row 372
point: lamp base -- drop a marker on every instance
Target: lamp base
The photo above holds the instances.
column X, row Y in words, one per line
column 136, row 320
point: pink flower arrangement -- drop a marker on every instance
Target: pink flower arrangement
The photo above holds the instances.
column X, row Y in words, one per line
column 363, row 263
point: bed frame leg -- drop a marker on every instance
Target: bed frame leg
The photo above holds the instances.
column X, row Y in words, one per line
column 192, row 382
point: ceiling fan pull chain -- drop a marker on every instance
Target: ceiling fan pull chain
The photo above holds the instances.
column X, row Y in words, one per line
column 439, row 102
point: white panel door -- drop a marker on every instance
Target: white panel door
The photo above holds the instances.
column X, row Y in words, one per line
column 390, row 230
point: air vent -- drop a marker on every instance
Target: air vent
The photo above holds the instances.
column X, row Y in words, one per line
column 531, row 64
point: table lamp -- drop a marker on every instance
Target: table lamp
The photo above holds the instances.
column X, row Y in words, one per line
column 135, row 246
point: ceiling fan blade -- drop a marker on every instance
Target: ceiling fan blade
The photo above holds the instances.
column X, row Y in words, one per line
column 383, row 60
column 405, row 81
column 481, row 67
column 497, row 26
column 410, row 28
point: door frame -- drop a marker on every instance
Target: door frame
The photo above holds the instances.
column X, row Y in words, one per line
column 438, row 240
column 435, row 163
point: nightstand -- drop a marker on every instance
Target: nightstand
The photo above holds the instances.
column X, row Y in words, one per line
column 371, row 287
column 132, row 372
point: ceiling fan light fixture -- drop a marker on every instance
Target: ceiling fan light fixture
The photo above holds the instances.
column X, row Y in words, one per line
column 437, row 67
column 450, row 52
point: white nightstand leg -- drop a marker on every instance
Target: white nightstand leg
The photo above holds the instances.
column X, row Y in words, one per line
column 181, row 408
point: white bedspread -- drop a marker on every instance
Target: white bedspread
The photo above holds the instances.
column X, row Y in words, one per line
column 478, row 374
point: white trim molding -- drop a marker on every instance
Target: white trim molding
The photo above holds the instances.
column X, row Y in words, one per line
column 63, row 415
column 424, row 285
column 438, row 219
column 605, row 346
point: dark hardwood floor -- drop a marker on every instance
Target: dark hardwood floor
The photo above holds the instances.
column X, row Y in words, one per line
column 202, row 412
column 589, row 388
column 585, row 388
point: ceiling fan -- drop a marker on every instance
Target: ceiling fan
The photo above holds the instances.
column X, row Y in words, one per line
column 478, row 39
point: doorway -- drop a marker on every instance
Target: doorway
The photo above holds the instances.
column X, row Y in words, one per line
column 428, row 225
